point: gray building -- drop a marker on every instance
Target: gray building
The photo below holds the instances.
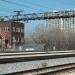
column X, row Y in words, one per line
column 61, row 28
column 62, row 23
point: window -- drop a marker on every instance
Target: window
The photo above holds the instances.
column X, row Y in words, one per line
column 14, row 40
column 22, row 29
column 18, row 39
column 6, row 29
column 13, row 29
column 17, row 29
column 22, row 39
column 0, row 29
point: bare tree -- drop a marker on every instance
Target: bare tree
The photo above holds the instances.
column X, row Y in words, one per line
column 61, row 39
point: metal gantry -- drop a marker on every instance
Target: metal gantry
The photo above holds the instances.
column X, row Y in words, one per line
column 43, row 16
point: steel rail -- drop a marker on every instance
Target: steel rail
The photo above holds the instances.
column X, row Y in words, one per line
column 33, row 57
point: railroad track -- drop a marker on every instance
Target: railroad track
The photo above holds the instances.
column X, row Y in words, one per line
column 33, row 53
column 35, row 59
column 29, row 56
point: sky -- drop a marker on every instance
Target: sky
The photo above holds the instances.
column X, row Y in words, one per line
column 34, row 6
column 29, row 6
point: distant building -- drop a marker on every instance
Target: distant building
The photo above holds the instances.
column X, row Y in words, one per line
column 11, row 33
column 64, row 23
column 61, row 27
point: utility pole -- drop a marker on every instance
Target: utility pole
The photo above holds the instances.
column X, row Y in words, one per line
column 17, row 15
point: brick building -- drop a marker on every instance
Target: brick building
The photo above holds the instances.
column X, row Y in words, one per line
column 11, row 33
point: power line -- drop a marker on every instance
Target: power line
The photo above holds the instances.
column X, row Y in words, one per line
column 36, row 4
column 21, row 5
column 4, row 9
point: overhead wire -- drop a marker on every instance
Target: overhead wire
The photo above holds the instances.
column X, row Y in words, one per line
column 36, row 4
column 22, row 5
column 4, row 9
